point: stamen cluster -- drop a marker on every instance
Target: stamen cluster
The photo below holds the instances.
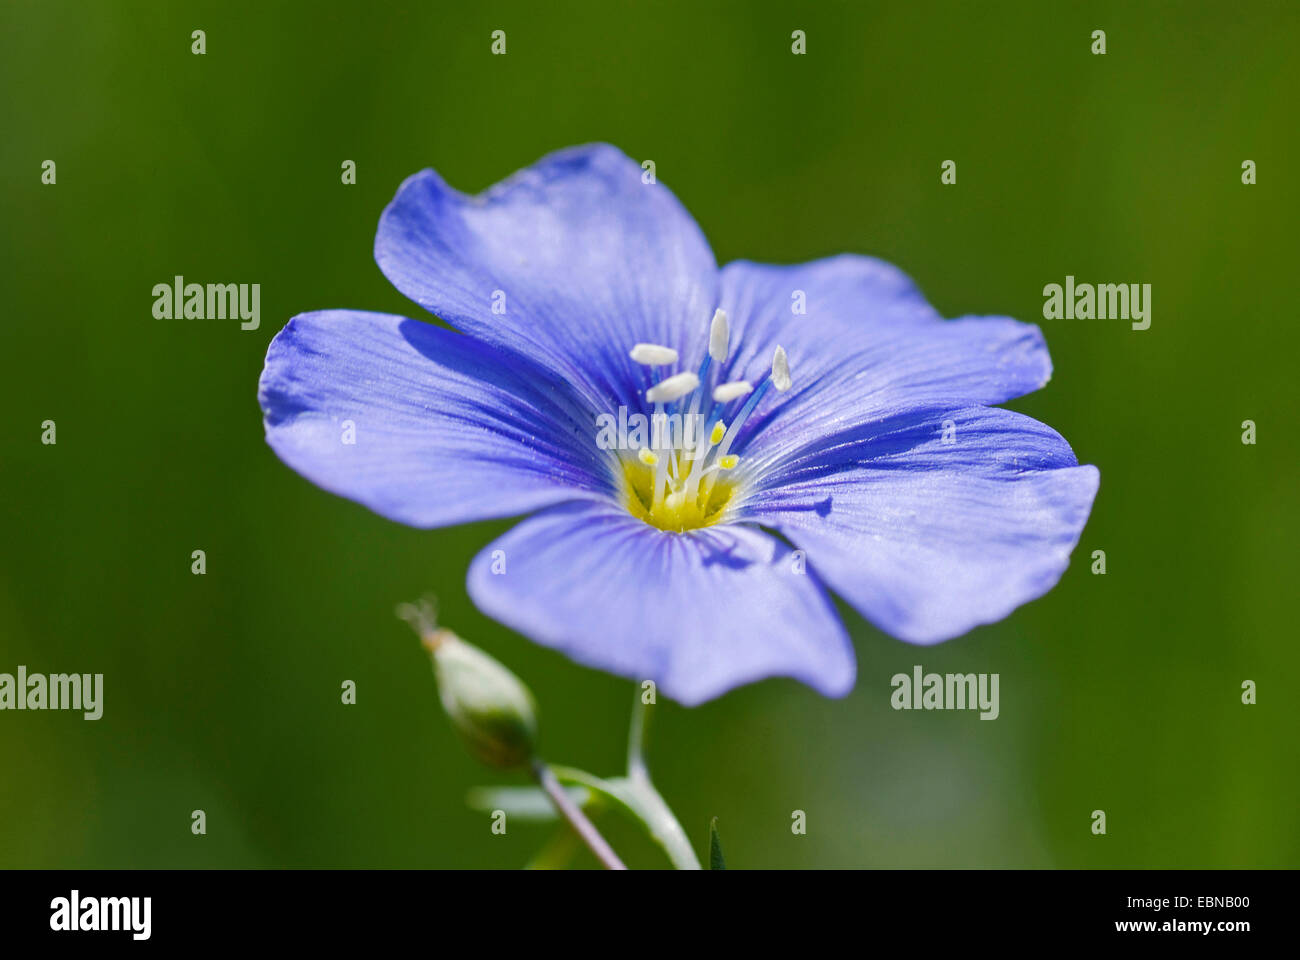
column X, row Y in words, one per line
column 670, row 484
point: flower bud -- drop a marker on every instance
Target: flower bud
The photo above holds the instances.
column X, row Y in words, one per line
column 489, row 706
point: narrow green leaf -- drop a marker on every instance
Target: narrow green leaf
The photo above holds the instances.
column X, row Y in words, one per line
column 715, row 847
column 524, row 803
column 558, row 851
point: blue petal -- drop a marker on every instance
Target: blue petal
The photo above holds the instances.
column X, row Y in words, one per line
column 590, row 260
column 697, row 613
column 928, row 539
column 446, row 429
column 869, row 346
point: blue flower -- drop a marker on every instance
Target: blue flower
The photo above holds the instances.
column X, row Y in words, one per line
column 833, row 406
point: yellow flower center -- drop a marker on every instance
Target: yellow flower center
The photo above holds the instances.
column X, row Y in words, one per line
column 676, row 511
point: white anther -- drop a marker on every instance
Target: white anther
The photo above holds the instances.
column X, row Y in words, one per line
column 653, row 355
column 673, row 388
column 781, row 370
column 719, row 335
column 725, row 392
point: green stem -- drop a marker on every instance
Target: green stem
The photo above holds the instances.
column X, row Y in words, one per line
column 577, row 819
column 636, row 767
column 640, row 801
column 663, row 824
column 665, row 828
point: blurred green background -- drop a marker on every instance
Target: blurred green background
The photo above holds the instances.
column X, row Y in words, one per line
column 222, row 692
